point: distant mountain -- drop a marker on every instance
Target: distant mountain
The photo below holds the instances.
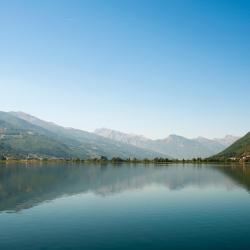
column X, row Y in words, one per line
column 174, row 145
column 239, row 150
column 23, row 134
column 137, row 140
column 227, row 140
column 213, row 145
column 181, row 147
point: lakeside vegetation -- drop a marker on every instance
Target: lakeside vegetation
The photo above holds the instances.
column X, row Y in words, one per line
column 116, row 160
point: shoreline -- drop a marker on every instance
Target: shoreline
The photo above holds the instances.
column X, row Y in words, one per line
column 121, row 161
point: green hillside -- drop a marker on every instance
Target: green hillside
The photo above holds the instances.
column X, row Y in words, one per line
column 240, row 150
column 91, row 143
column 20, row 139
column 23, row 135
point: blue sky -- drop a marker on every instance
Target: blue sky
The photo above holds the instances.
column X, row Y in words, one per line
column 148, row 67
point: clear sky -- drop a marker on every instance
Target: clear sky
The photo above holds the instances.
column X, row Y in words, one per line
column 148, row 67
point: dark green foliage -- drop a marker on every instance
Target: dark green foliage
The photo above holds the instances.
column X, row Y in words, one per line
column 103, row 158
column 161, row 160
column 117, row 159
column 2, row 158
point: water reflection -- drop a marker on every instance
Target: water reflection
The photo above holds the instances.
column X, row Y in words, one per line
column 26, row 186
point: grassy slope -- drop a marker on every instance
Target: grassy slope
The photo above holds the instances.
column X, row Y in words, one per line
column 19, row 141
column 91, row 143
column 238, row 149
column 24, row 138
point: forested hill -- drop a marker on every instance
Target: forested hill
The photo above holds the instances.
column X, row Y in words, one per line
column 23, row 136
column 239, row 150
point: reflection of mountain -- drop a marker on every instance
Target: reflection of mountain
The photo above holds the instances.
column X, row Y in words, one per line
column 24, row 187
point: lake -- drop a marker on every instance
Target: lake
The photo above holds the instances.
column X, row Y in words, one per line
column 63, row 206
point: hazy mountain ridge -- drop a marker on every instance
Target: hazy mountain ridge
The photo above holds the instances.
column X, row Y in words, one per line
column 174, row 145
column 23, row 134
column 41, row 138
column 119, row 136
column 18, row 138
column 227, row 140
column 213, row 145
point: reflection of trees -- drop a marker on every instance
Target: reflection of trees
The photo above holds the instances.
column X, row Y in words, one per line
column 239, row 173
column 22, row 187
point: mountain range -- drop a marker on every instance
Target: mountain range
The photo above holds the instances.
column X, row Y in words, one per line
column 176, row 146
column 23, row 135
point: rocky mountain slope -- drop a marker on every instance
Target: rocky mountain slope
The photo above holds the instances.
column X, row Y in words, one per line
column 177, row 146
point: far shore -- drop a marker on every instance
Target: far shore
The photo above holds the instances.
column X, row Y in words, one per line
column 118, row 160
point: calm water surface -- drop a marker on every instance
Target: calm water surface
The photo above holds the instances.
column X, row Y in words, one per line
column 124, row 207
